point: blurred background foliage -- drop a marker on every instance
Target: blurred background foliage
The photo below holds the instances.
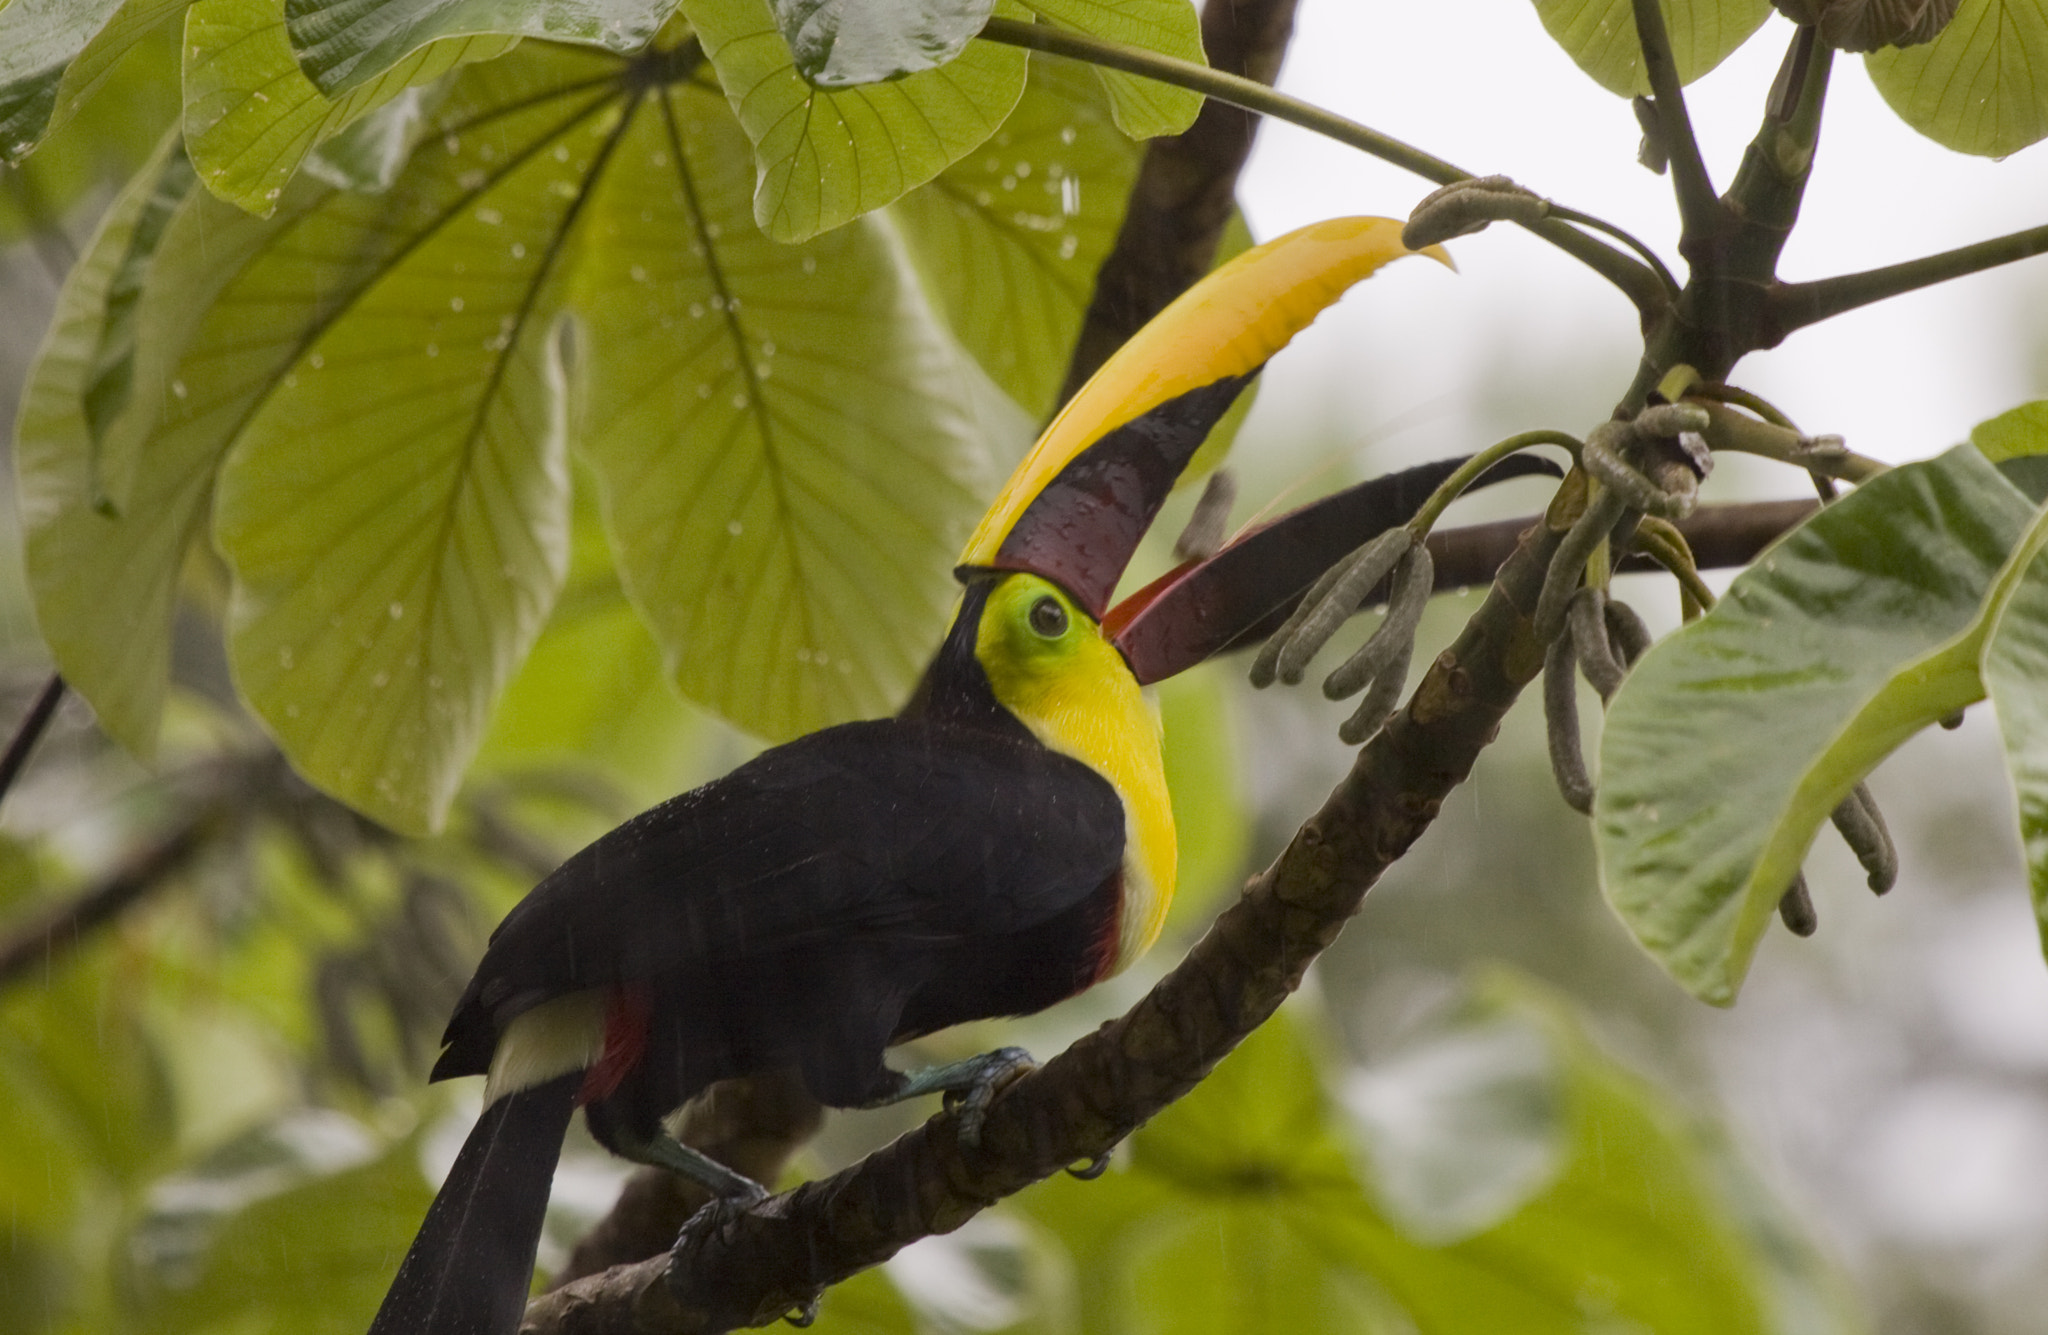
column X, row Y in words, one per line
column 1488, row 1112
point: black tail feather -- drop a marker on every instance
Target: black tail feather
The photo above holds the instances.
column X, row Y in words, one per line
column 468, row 1271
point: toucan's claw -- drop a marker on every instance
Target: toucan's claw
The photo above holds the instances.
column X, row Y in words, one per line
column 969, row 1086
column 1094, row 1168
column 802, row 1317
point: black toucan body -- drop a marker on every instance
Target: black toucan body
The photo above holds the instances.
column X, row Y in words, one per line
column 1002, row 844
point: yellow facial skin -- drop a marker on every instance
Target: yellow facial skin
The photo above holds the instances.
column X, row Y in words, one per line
column 1049, row 666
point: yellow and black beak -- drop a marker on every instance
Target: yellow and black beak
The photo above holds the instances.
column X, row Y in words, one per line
column 1076, row 507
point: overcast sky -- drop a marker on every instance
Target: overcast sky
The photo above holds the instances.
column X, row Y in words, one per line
column 1479, row 83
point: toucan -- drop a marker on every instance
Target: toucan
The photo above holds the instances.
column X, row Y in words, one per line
column 1003, row 843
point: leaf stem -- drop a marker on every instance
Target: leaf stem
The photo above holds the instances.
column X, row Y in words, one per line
column 31, row 729
column 1454, row 486
column 1636, row 281
column 1793, row 306
column 1699, row 208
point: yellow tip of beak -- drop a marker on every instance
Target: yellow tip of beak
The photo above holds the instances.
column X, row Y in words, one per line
column 1229, row 324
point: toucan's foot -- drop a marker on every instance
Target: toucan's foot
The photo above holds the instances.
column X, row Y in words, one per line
column 802, row 1317
column 713, row 1176
column 969, row 1086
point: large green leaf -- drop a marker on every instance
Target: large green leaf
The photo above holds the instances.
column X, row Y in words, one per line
column 2016, row 656
column 395, row 510
column 1142, row 107
column 110, row 112
column 39, row 39
column 251, row 117
column 827, row 156
column 102, row 583
column 840, row 43
column 788, row 449
column 1007, row 240
column 1982, row 86
column 1600, row 36
column 1732, row 741
column 347, row 44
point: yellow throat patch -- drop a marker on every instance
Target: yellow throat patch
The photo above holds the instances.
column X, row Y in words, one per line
column 1048, row 664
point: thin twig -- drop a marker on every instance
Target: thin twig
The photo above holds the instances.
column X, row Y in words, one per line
column 1635, row 280
column 1699, row 209
column 1793, row 306
column 30, row 731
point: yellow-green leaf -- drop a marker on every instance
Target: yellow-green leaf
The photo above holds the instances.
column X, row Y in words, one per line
column 826, row 156
column 1600, row 36
column 251, row 117
column 789, row 453
column 1982, row 86
column 1143, row 107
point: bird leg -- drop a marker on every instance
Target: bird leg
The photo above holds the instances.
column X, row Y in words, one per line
column 664, row 1151
column 969, row 1086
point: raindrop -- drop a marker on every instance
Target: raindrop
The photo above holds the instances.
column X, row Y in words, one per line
column 518, row 250
column 455, row 304
column 472, row 179
column 489, row 217
column 984, row 198
column 1022, row 170
column 735, row 528
column 658, row 158
column 1009, row 183
column 704, row 390
column 739, row 400
column 717, row 303
column 1068, row 245
column 397, row 611
column 381, row 680
column 1067, row 134
column 452, row 144
column 433, row 349
column 637, row 273
column 810, row 264
column 712, row 230
column 767, row 347
column 696, row 310
column 561, row 152
column 178, row 388
column 316, row 361
column 284, row 656
column 291, row 711
column 1070, row 196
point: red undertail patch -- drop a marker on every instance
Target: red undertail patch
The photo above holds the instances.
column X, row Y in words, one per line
column 627, row 1014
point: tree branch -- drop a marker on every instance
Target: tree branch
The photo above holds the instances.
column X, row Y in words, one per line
column 1635, row 279
column 1185, row 191
column 1793, row 306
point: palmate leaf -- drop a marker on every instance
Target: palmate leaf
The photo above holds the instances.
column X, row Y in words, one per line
column 391, row 494
column 251, row 117
column 828, row 156
column 1981, row 86
column 788, row 446
column 1600, row 36
column 1732, row 740
column 347, row 44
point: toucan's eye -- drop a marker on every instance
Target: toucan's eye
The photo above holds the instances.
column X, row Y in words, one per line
column 1048, row 618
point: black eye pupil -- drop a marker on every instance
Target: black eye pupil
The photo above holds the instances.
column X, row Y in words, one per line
column 1048, row 618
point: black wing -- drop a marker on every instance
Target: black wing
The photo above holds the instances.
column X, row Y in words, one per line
column 887, row 831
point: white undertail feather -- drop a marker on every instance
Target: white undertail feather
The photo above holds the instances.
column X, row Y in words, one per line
column 554, row 1038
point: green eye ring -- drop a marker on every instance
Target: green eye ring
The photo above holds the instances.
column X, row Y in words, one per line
column 1048, row 619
